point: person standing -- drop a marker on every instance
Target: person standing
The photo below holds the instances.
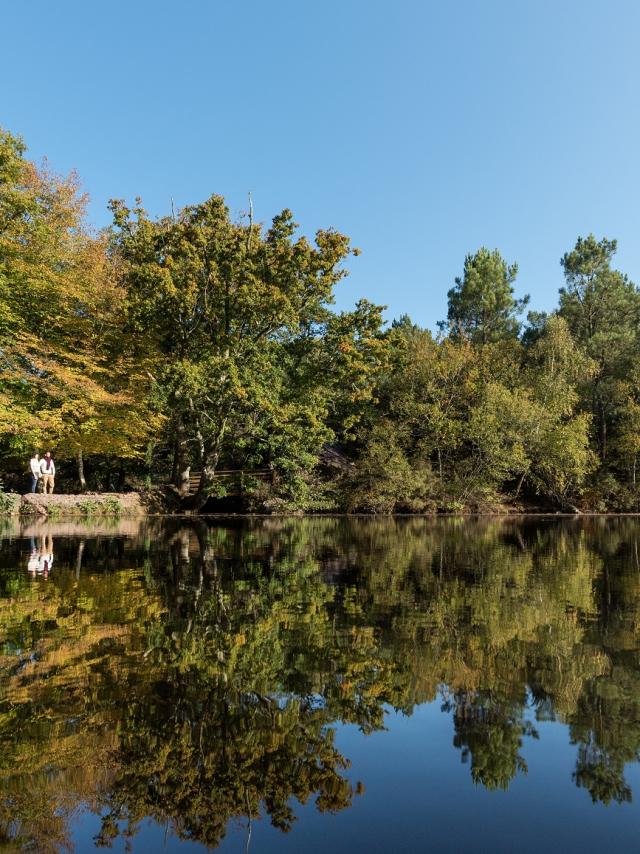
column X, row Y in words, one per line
column 48, row 471
column 34, row 465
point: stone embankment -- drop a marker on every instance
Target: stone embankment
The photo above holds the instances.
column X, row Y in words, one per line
column 87, row 505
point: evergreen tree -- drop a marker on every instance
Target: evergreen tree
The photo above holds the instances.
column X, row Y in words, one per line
column 482, row 306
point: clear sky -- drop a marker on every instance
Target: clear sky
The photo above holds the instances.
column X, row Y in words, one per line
column 423, row 130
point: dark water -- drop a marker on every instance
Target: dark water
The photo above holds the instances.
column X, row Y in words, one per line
column 321, row 685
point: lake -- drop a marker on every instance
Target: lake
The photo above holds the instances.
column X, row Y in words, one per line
column 320, row 684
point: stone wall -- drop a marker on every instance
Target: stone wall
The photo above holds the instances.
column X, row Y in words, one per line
column 88, row 505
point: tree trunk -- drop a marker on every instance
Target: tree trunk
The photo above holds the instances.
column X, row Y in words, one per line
column 520, row 482
column 181, row 467
column 201, row 495
column 210, row 458
column 184, row 473
column 80, row 461
column 174, row 465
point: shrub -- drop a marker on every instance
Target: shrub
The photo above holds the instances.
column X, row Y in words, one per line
column 88, row 507
column 8, row 502
column 111, row 506
column 386, row 480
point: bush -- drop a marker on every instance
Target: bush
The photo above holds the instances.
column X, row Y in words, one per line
column 9, row 502
column 91, row 507
column 111, row 506
column 385, row 480
column 88, row 507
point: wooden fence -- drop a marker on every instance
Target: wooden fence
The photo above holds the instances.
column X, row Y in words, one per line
column 231, row 478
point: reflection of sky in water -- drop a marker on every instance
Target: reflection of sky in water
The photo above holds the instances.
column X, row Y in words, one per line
column 178, row 657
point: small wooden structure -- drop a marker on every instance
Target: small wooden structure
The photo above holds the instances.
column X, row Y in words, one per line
column 232, row 479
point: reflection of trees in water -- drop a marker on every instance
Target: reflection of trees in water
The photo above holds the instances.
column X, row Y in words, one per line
column 489, row 731
column 606, row 728
column 204, row 759
column 601, row 773
column 194, row 673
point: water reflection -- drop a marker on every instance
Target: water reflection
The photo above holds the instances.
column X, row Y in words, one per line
column 196, row 672
column 40, row 559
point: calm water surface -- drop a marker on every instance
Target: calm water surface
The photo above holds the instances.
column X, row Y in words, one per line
column 288, row 685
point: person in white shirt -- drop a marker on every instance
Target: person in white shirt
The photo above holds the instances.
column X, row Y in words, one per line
column 48, row 472
column 34, row 466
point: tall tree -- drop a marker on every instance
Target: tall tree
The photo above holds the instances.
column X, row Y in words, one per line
column 231, row 313
column 482, row 306
column 602, row 308
column 67, row 374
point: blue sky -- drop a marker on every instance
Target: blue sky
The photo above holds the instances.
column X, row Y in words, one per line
column 423, row 130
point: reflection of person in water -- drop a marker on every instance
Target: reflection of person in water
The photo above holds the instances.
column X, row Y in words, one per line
column 32, row 563
column 45, row 561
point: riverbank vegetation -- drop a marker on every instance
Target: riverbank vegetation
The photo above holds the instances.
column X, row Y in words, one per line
column 190, row 342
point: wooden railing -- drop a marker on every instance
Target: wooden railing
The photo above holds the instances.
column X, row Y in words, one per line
column 230, row 475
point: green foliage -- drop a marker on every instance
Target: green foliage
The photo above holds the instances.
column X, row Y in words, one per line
column 248, row 358
column 110, row 506
column 385, row 480
column 482, row 307
column 602, row 309
column 88, row 507
column 67, row 377
column 195, row 343
column 9, row 502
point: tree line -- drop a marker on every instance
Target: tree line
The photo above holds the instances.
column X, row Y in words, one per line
column 190, row 342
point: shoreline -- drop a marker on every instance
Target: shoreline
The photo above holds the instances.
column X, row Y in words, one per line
column 131, row 505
